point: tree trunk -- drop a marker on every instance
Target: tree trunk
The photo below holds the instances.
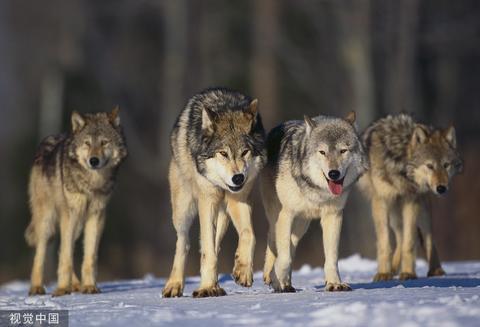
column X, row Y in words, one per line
column 175, row 16
column 355, row 56
column 264, row 77
column 401, row 41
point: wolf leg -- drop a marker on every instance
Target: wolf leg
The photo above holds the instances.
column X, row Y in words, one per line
column 221, row 228
column 425, row 231
column 272, row 207
column 410, row 212
column 68, row 221
column 76, row 284
column 269, row 256
column 331, row 222
column 380, row 212
column 93, row 231
column 183, row 212
column 272, row 211
column 43, row 230
column 37, row 287
column 435, row 266
column 396, row 225
column 299, row 228
column 283, row 232
column 208, row 205
column 241, row 212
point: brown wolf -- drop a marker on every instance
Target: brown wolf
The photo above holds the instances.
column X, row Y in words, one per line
column 70, row 184
column 217, row 151
column 407, row 161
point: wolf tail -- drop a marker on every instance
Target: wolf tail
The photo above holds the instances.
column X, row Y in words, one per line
column 30, row 235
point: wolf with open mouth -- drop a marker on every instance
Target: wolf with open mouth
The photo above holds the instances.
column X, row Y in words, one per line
column 312, row 165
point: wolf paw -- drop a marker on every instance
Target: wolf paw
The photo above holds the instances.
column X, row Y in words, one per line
column 61, row 291
column 173, row 289
column 436, row 272
column 266, row 279
column 90, row 289
column 407, row 276
column 209, row 292
column 381, row 277
column 76, row 287
column 280, row 287
column 285, row 289
column 242, row 274
column 36, row 290
column 337, row 287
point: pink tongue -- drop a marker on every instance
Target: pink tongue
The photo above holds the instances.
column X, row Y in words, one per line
column 335, row 187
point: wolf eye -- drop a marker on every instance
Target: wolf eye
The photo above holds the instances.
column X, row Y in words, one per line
column 322, row 152
column 104, row 142
column 87, row 143
column 342, row 151
column 223, row 153
column 446, row 165
column 244, row 153
column 430, row 166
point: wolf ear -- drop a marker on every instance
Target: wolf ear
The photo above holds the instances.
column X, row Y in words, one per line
column 350, row 117
column 77, row 121
column 114, row 116
column 450, row 136
column 208, row 116
column 419, row 136
column 309, row 123
column 458, row 165
column 251, row 112
column 253, row 108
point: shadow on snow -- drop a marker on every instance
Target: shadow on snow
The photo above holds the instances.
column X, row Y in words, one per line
column 421, row 282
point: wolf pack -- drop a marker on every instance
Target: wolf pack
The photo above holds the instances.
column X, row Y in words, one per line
column 306, row 170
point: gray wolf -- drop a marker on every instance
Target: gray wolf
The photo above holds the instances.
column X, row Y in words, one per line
column 71, row 181
column 312, row 165
column 218, row 150
column 408, row 160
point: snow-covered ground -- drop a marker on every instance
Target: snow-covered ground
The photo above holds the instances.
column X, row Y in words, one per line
column 453, row 300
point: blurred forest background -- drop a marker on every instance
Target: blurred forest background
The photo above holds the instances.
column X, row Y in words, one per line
column 295, row 56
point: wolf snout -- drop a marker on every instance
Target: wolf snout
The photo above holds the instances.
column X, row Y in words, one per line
column 94, row 162
column 334, row 174
column 238, row 179
column 441, row 189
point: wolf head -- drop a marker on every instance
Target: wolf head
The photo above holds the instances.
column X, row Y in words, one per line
column 433, row 158
column 97, row 140
column 333, row 154
column 232, row 146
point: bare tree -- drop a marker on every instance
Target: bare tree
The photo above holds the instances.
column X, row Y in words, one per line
column 401, row 40
column 175, row 16
column 353, row 19
column 264, row 68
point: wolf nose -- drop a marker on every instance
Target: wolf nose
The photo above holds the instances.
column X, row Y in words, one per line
column 238, row 179
column 334, row 174
column 94, row 162
column 441, row 189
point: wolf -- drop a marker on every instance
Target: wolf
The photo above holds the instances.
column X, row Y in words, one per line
column 218, row 150
column 408, row 160
column 312, row 165
column 71, row 181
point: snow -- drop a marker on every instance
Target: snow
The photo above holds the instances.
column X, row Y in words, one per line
column 452, row 300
